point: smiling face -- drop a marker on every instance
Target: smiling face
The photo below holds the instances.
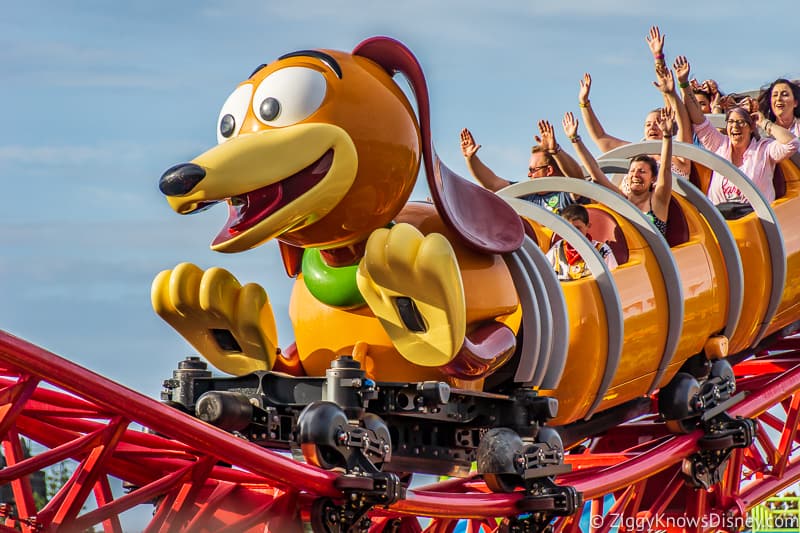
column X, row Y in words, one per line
column 783, row 102
column 316, row 149
column 651, row 130
column 739, row 127
column 704, row 101
column 640, row 176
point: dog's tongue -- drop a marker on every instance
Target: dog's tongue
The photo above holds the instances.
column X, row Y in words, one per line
column 244, row 211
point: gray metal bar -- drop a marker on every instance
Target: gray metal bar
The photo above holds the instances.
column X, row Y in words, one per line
column 531, row 318
column 600, row 271
column 727, row 244
column 761, row 207
column 545, row 314
column 559, row 345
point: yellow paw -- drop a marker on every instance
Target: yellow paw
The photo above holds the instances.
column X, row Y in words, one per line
column 413, row 285
column 230, row 325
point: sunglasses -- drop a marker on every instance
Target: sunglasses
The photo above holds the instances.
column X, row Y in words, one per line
column 537, row 169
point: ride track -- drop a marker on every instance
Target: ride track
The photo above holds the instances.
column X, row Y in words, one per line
column 204, row 479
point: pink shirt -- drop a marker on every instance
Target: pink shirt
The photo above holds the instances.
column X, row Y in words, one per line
column 758, row 163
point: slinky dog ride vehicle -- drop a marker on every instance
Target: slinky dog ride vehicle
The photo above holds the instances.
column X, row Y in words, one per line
column 432, row 338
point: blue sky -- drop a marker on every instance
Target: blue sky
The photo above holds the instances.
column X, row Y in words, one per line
column 99, row 98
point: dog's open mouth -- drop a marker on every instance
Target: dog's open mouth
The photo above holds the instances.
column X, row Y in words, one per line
column 246, row 210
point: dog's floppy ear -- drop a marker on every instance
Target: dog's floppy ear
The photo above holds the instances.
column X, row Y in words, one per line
column 481, row 218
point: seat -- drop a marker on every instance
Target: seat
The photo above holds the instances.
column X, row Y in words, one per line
column 700, row 177
column 779, row 182
column 604, row 228
column 677, row 228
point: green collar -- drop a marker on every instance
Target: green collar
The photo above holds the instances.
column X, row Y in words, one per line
column 335, row 286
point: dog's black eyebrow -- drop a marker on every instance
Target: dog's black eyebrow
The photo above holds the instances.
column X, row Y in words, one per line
column 262, row 65
column 322, row 56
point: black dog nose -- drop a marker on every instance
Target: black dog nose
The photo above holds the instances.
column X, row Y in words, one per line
column 181, row 179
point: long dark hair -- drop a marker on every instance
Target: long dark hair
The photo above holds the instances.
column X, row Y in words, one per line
column 765, row 98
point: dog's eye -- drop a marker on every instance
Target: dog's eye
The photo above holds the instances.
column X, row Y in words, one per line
column 269, row 109
column 232, row 113
column 289, row 95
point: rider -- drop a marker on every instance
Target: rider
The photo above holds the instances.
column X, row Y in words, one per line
column 547, row 159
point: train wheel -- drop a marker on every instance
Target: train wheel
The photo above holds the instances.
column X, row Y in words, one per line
column 680, row 427
column 321, row 426
column 675, row 399
column 501, row 482
column 550, row 437
column 498, row 453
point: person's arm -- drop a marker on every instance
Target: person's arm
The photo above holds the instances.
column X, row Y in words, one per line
column 655, row 40
column 477, row 168
column 682, row 69
column 603, row 140
column 785, row 145
column 665, row 82
column 566, row 163
column 570, row 124
column 663, row 189
column 774, row 130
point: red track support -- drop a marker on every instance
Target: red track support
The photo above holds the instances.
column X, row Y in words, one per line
column 182, row 465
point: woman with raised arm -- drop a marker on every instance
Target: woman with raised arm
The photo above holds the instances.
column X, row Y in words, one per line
column 649, row 184
column 652, row 132
column 780, row 103
column 742, row 145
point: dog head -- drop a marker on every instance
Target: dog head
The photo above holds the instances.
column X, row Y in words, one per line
column 321, row 147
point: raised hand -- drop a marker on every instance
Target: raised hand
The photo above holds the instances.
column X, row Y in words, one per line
column 468, row 145
column 546, row 137
column 586, row 86
column 666, row 121
column 665, row 82
column 749, row 104
column 726, row 102
column 570, row 124
column 682, row 69
column 716, row 96
column 655, row 40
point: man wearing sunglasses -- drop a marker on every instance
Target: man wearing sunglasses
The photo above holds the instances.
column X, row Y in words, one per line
column 547, row 159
